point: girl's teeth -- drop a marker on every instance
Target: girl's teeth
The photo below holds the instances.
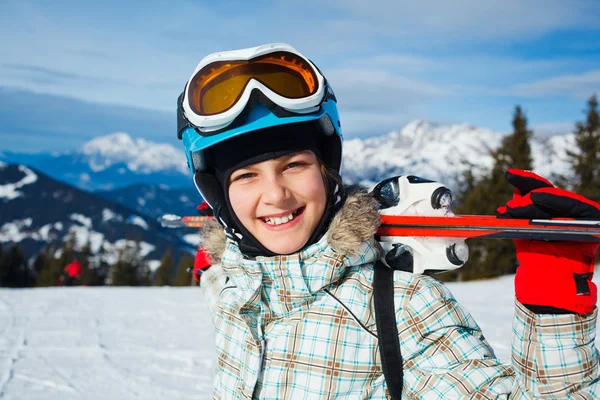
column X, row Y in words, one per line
column 279, row 221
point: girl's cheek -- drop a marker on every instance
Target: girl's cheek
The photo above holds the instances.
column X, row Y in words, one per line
column 241, row 197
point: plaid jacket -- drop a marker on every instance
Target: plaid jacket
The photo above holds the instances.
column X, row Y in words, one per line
column 303, row 326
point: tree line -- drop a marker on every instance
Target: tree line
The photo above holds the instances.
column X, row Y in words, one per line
column 481, row 196
column 476, row 195
column 128, row 268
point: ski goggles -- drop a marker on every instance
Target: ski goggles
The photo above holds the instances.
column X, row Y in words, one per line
column 224, row 84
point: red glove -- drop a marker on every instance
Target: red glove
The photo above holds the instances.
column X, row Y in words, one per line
column 551, row 274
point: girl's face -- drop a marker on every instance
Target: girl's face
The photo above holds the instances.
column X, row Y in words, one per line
column 280, row 201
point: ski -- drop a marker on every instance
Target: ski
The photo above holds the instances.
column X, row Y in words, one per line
column 175, row 221
column 490, row 227
column 459, row 226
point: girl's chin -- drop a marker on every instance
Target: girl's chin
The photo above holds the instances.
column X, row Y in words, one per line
column 279, row 244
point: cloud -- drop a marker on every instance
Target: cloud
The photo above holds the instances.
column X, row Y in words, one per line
column 40, row 122
column 579, row 86
column 469, row 20
column 379, row 89
column 36, row 73
column 551, row 129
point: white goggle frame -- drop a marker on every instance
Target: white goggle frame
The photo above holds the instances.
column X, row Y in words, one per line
column 305, row 105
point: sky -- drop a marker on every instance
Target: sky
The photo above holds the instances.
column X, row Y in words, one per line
column 73, row 70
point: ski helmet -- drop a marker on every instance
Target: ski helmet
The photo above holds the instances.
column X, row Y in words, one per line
column 250, row 105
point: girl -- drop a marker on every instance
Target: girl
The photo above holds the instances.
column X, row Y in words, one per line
column 292, row 295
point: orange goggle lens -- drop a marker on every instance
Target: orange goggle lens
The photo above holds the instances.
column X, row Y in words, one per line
column 219, row 85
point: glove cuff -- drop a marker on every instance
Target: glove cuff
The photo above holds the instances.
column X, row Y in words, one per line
column 557, row 287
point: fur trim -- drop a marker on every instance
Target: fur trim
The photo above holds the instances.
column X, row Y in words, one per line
column 213, row 240
column 356, row 222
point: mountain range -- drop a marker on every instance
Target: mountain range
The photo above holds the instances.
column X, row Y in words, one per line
column 437, row 152
column 38, row 210
column 115, row 186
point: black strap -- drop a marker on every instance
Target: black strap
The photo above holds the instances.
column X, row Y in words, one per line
column 387, row 330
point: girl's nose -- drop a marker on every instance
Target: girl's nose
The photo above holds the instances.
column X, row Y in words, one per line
column 276, row 191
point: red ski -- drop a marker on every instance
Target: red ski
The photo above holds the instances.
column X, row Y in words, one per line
column 461, row 226
column 490, row 227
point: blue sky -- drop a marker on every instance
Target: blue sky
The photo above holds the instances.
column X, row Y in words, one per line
column 71, row 70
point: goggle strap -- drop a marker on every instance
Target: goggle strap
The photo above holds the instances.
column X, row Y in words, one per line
column 182, row 122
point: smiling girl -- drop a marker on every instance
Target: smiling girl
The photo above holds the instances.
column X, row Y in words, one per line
column 292, row 295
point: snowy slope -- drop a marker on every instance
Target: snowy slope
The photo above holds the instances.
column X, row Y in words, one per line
column 149, row 343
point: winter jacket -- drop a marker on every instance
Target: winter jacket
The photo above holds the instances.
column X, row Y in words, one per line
column 74, row 269
column 302, row 326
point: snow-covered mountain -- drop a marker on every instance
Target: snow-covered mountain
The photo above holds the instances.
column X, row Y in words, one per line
column 37, row 210
column 111, row 162
column 155, row 200
column 439, row 152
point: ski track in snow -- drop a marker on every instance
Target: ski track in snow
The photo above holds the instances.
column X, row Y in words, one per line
column 149, row 343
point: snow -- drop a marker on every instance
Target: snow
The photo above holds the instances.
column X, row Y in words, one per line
column 13, row 231
column 9, row 191
column 83, row 177
column 107, row 215
column 83, row 235
column 171, row 217
column 153, row 265
column 149, row 343
column 104, row 343
column 192, row 238
column 139, row 221
column 439, row 152
column 83, row 220
column 138, row 154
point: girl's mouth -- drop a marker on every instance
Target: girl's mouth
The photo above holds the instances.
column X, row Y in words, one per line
column 286, row 219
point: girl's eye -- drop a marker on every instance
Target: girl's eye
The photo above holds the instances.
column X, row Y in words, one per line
column 295, row 164
column 247, row 175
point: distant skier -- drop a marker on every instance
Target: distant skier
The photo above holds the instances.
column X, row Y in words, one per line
column 202, row 262
column 70, row 274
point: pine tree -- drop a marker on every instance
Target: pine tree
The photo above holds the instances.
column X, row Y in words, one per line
column 4, row 271
column 124, row 272
column 490, row 258
column 163, row 273
column 586, row 160
column 40, row 262
column 51, row 270
column 15, row 271
column 84, row 260
column 131, row 269
column 98, row 268
column 184, row 278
